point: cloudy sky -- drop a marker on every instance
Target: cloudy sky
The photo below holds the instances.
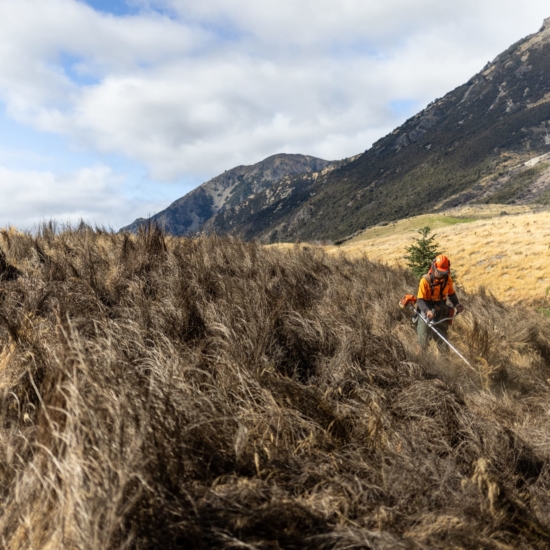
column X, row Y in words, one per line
column 112, row 109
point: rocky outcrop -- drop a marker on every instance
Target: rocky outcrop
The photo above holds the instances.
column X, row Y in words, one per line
column 189, row 213
column 468, row 146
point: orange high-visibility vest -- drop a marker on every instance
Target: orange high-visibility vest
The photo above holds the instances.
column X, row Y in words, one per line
column 436, row 292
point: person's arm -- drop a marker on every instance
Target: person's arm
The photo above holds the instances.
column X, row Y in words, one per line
column 423, row 306
column 423, row 300
column 457, row 305
column 453, row 297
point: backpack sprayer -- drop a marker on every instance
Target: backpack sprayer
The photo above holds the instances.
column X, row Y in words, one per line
column 409, row 301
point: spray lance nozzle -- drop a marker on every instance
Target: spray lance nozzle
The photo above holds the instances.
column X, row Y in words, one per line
column 409, row 301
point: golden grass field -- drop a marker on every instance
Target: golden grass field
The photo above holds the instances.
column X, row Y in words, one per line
column 507, row 254
column 209, row 393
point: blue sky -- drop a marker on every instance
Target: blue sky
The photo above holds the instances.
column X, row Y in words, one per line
column 24, row 149
column 115, row 7
column 110, row 110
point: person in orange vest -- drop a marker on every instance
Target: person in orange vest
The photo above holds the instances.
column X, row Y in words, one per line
column 434, row 289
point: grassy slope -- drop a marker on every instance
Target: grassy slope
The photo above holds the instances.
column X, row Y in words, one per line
column 435, row 221
column 215, row 394
column 506, row 254
column 452, row 153
column 451, row 168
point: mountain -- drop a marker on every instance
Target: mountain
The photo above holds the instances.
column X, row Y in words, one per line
column 189, row 213
column 487, row 141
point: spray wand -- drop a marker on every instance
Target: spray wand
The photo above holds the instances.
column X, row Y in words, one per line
column 409, row 301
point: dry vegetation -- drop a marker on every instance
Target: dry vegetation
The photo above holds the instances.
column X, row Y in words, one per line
column 214, row 394
column 508, row 254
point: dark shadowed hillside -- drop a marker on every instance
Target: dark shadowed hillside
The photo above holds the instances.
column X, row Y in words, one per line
column 207, row 393
column 470, row 146
column 188, row 214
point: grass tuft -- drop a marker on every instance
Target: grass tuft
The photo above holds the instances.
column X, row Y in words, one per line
column 209, row 393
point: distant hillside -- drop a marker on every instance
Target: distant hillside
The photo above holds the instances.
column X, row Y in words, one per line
column 504, row 249
column 487, row 141
column 189, row 213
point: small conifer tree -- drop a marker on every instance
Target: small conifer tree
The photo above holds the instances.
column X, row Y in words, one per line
column 421, row 254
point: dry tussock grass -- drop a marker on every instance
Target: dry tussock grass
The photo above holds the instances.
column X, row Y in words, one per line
column 508, row 254
column 215, row 394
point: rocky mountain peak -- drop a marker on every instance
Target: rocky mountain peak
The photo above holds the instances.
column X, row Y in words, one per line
column 486, row 141
column 536, row 40
column 189, row 213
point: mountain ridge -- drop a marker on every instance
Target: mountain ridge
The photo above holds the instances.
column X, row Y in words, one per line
column 188, row 214
column 487, row 141
column 470, row 145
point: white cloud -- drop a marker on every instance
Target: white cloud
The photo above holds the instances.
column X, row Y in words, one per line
column 227, row 82
column 35, row 34
column 92, row 194
column 325, row 22
column 11, row 154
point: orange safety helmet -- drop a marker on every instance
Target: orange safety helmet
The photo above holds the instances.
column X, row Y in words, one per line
column 441, row 266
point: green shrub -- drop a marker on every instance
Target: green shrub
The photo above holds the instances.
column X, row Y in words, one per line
column 421, row 254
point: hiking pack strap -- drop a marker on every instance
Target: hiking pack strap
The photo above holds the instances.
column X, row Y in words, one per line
column 431, row 281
